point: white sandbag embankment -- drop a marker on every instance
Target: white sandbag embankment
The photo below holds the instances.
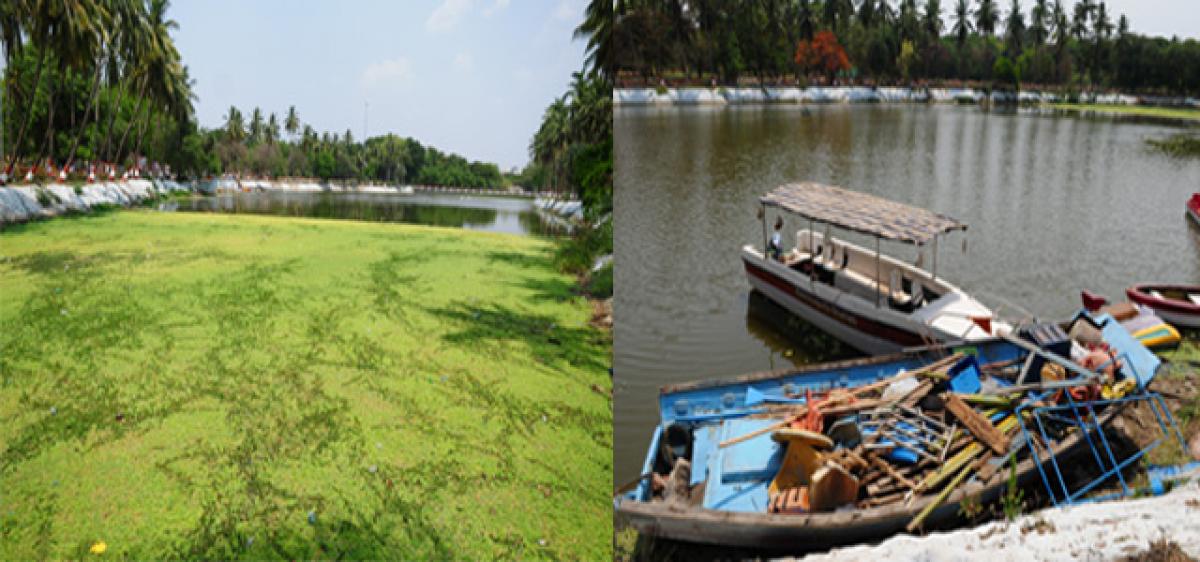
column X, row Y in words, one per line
column 1096, row 531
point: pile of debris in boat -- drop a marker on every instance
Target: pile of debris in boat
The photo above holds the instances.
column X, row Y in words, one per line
column 886, row 443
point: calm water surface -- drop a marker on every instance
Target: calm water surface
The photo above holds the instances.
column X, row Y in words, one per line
column 1054, row 204
column 497, row 214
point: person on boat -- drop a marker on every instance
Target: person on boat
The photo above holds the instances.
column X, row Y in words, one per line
column 775, row 246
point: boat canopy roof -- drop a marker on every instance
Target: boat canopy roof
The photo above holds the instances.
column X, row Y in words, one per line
column 861, row 212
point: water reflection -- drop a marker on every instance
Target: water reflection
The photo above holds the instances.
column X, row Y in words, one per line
column 496, row 214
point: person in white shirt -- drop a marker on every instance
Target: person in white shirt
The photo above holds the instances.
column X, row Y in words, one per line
column 775, row 246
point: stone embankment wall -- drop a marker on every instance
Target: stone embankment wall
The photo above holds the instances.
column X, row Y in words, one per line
column 22, row 203
column 721, row 95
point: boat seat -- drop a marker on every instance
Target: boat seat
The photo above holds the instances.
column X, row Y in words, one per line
column 1156, row 294
column 1194, row 298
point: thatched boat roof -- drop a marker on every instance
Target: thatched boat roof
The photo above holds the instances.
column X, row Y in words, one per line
column 861, row 212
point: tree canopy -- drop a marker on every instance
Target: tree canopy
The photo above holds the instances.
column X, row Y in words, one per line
column 1052, row 43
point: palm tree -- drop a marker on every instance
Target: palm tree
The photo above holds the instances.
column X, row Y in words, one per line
column 235, row 127
column 74, row 42
column 597, row 28
column 1038, row 17
column 1083, row 11
column 962, row 22
column 256, row 125
column 1015, row 29
column 272, row 129
column 1102, row 26
column 291, row 123
column 549, row 144
column 986, row 17
column 129, row 46
column 96, row 49
column 159, row 61
column 1062, row 26
column 933, row 19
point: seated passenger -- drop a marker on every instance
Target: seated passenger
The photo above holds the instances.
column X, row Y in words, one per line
column 775, row 245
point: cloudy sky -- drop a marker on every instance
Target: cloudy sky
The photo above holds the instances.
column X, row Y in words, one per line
column 467, row 76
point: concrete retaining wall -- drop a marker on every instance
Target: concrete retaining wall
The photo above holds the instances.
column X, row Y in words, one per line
column 23, row 203
column 722, row 95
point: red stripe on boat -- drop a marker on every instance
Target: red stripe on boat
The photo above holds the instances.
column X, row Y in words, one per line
column 843, row 316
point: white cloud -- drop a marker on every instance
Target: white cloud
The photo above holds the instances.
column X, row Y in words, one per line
column 496, row 6
column 568, row 11
column 397, row 71
column 464, row 62
column 447, row 14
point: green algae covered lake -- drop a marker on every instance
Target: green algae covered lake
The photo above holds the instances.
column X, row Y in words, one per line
column 236, row 386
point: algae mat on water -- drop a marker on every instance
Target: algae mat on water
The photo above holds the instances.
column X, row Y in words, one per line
column 217, row 386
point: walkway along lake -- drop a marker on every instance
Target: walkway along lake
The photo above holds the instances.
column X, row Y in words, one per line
column 1054, row 203
column 474, row 212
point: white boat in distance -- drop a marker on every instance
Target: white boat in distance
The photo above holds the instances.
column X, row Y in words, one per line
column 875, row 303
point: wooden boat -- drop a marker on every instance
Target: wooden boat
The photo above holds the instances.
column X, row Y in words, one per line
column 727, row 488
column 1193, row 208
column 872, row 302
column 1177, row 304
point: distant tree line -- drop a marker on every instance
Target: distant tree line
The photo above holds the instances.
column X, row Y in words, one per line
column 256, row 146
column 1077, row 46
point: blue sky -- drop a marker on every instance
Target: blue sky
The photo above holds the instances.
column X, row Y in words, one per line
column 466, row 76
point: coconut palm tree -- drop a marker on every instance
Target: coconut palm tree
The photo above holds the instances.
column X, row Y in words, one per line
column 986, row 17
column 1039, row 15
column 549, row 144
column 1062, row 25
column 159, row 60
column 1083, row 12
column 256, row 126
column 962, row 22
column 129, row 48
column 291, row 123
column 1015, row 29
column 272, row 129
column 933, row 20
column 597, row 28
column 235, row 128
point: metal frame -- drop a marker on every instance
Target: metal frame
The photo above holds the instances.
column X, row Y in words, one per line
column 1093, row 434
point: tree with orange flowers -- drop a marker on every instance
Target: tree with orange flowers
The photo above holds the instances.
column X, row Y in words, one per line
column 822, row 54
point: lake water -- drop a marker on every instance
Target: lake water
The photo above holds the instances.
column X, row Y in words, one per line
column 1054, row 203
column 475, row 212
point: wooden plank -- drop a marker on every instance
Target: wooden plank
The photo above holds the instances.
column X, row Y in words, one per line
column 942, row 363
column 887, row 468
column 978, row 425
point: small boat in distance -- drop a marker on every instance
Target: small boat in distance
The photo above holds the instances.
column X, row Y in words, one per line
column 1177, row 304
column 1193, row 208
column 875, row 303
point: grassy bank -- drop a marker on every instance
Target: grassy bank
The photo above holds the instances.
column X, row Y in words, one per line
column 216, row 386
column 1132, row 110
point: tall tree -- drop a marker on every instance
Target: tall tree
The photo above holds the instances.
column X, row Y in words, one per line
column 1015, row 30
column 933, row 20
column 1083, row 12
column 291, row 123
column 986, row 17
column 1039, row 17
column 962, row 22
column 597, row 28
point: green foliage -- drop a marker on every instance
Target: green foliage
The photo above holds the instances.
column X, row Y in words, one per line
column 1179, row 144
column 192, row 386
column 600, row 283
column 1006, row 75
column 577, row 254
column 970, row 508
column 1012, row 503
column 727, row 39
column 591, row 170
